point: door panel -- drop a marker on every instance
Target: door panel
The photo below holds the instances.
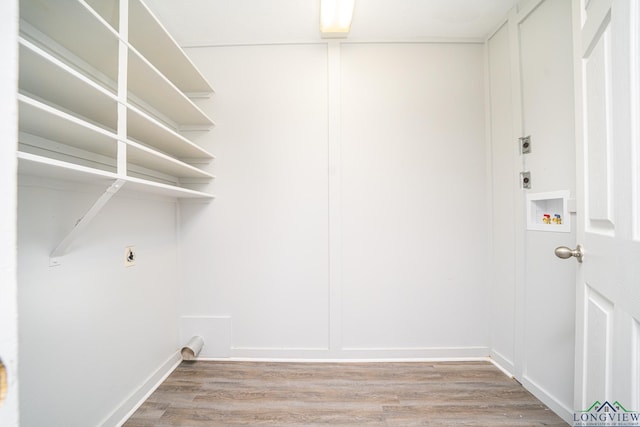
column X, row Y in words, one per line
column 635, row 113
column 635, row 364
column 599, row 318
column 597, row 135
column 608, row 282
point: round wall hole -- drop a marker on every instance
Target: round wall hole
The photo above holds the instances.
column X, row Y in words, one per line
column 3, row 382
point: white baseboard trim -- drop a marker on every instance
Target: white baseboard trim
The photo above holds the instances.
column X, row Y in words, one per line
column 363, row 354
column 121, row 414
column 548, row 399
column 330, row 360
column 504, row 364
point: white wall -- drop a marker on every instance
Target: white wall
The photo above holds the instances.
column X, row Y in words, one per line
column 351, row 222
column 92, row 331
column 8, row 136
column 258, row 253
column 548, row 112
column 531, row 82
column 407, row 186
column 414, row 209
column 504, row 184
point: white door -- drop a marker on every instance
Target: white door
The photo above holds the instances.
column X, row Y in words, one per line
column 608, row 149
column 8, row 287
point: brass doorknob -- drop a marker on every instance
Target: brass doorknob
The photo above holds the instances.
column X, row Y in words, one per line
column 3, row 382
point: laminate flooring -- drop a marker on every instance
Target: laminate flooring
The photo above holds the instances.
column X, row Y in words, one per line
column 341, row 394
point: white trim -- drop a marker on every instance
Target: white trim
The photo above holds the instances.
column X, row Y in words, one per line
column 548, row 399
column 489, row 173
column 131, row 404
column 502, row 368
column 503, row 23
column 423, row 40
column 526, row 8
column 502, row 362
column 334, row 150
column 519, row 205
column 635, row 113
column 9, row 407
column 368, row 360
column 351, row 353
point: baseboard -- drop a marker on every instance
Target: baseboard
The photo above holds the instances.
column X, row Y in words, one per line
column 548, row 399
column 431, row 353
column 506, row 366
column 502, row 363
column 356, row 354
column 121, row 414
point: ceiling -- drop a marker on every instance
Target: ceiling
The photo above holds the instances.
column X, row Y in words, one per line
column 216, row 22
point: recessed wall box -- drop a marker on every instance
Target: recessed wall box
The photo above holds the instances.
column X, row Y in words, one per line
column 549, row 211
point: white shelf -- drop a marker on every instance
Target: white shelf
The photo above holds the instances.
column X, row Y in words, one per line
column 44, row 121
column 63, row 21
column 100, row 104
column 143, row 156
column 45, row 167
column 69, row 114
column 108, row 10
column 150, row 187
column 148, row 84
column 148, row 130
column 47, row 78
column 34, row 165
column 150, row 38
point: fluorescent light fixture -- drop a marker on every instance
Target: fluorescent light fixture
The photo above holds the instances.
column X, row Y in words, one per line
column 335, row 17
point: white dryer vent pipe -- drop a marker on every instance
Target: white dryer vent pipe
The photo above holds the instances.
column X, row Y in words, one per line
column 192, row 349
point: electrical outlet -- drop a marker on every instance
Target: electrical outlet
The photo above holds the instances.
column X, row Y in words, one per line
column 130, row 256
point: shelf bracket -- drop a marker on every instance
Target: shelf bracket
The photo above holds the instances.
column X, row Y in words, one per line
column 61, row 249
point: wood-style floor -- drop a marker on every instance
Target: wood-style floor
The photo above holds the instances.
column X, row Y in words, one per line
column 341, row 394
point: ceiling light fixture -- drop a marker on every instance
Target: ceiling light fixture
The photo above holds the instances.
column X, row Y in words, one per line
column 335, row 17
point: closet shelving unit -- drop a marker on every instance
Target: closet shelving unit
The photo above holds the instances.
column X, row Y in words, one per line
column 105, row 94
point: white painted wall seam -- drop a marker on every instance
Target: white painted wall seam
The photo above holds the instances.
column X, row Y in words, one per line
column 335, row 196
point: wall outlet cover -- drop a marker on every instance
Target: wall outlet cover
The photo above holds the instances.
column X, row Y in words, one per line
column 130, row 256
column 525, row 145
column 525, row 180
